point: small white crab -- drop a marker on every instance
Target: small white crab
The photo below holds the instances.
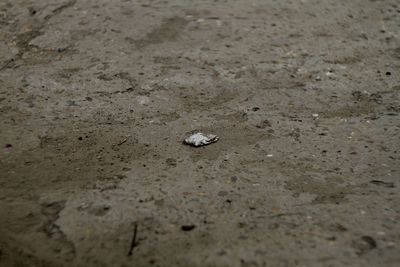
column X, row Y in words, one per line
column 200, row 139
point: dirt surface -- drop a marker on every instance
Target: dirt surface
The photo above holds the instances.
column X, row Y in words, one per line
column 96, row 97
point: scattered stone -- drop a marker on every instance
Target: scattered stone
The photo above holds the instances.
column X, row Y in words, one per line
column 32, row 11
column 8, row 145
column 364, row 244
column 61, row 49
column 171, row 162
column 188, row 227
column 382, row 183
column 264, row 124
column 200, row 139
column 329, row 73
column 71, row 103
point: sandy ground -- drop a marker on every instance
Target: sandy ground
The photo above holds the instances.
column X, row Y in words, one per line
column 96, row 97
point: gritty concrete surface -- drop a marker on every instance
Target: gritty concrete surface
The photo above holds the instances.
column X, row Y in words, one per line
column 96, row 97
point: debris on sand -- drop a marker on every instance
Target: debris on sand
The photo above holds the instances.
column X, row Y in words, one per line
column 188, row 227
column 133, row 243
column 364, row 244
column 200, row 139
column 382, row 183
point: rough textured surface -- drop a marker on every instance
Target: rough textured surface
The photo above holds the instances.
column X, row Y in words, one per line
column 96, row 97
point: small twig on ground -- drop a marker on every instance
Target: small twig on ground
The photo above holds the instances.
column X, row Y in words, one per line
column 123, row 141
column 133, row 243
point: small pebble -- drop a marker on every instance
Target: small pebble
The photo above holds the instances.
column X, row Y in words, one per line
column 188, row 227
column 71, row 103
